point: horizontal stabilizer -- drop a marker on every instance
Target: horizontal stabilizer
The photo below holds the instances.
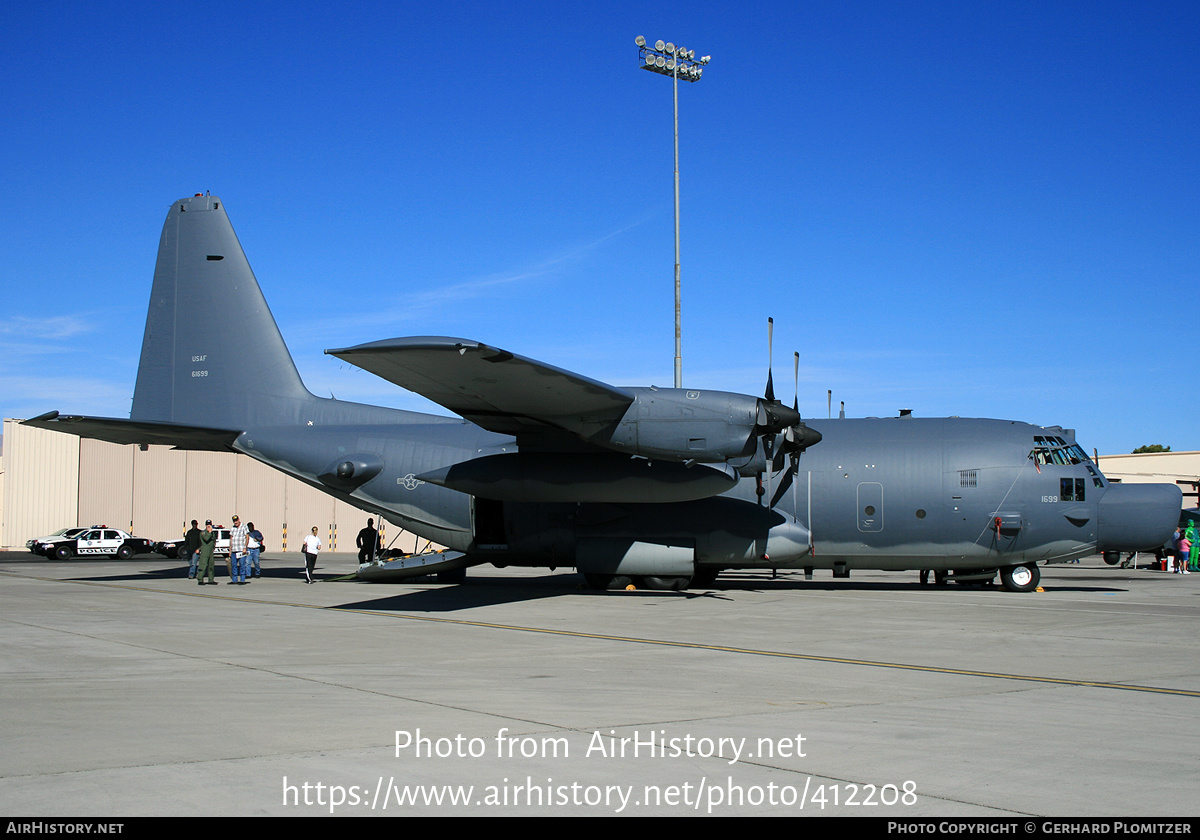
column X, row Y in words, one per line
column 125, row 432
column 492, row 388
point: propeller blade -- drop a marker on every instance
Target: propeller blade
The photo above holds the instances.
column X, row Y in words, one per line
column 770, row 359
column 780, row 456
column 783, row 487
column 796, row 382
column 796, row 438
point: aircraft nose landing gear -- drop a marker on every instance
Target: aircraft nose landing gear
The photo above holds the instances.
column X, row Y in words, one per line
column 1023, row 578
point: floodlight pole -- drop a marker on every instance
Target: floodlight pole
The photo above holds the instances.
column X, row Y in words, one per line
column 678, row 306
column 669, row 60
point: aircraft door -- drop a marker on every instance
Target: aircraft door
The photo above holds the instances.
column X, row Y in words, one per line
column 870, row 507
column 489, row 525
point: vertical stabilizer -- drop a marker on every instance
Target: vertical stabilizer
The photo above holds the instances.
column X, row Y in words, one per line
column 212, row 354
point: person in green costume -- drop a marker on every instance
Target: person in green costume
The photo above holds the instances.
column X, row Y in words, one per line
column 1194, row 554
column 208, row 541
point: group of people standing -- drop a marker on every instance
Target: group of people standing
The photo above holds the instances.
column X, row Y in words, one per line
column 245, row 546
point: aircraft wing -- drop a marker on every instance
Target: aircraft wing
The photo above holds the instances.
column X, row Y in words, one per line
column 492, row 388
column 116, row 430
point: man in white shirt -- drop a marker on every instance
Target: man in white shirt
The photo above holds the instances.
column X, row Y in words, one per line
column 312, row 547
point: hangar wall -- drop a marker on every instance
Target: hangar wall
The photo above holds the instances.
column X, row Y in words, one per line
column 54, row 480
column 1182, row 468
column 40, row 494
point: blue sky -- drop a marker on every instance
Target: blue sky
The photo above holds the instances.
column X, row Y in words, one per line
column 975, row 209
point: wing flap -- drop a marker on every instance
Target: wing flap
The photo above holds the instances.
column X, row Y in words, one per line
column 495, row 389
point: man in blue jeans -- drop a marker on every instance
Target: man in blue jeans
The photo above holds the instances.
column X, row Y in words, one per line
column 254, row 546
column 191, row 548
column 238, row 536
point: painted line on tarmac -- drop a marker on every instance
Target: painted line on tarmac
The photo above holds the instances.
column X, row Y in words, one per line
column 808, row 657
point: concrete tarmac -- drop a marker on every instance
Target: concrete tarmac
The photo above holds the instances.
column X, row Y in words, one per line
column 127, row 690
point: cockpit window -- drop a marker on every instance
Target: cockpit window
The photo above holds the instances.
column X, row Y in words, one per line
column 1051, row 449
column 1070, row 489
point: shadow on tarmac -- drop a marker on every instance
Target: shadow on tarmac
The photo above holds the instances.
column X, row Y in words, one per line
column 490, row 591
column 495, row 589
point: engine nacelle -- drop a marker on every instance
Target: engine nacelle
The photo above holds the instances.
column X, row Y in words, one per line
column 683, row 425
column 710, row 427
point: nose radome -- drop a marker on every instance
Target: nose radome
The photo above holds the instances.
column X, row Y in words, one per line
column 1136, row 517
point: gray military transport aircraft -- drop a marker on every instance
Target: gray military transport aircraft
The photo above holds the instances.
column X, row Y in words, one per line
column 655, row 487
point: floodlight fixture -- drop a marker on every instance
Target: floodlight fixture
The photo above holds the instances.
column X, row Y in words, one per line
column 678, row 63
column 670, row 60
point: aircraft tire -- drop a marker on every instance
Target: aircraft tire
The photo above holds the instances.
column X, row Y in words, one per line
column 62, row 553
column 1024, row 578
column 1112, row 558
column 606, row 582
column 666, row 584
column 704, row 578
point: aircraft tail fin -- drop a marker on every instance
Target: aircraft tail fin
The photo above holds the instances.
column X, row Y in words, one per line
column 212, row 354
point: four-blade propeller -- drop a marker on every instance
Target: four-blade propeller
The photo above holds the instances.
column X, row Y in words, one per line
column 783, row 431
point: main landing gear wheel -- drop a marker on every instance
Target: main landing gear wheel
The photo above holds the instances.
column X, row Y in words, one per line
column 704, row 578
column 666, row 584
column 1021, row 578
column 595, row 581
